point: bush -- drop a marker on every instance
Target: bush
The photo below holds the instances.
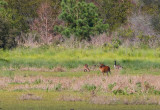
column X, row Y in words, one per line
column 38, row 81
column 110, row 86
column 58, row 87
column 116, row 43
column 119, row 92
column 89, row 87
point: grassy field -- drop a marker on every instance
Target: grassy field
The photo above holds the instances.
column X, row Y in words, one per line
column 50, row 78
column 134, row 61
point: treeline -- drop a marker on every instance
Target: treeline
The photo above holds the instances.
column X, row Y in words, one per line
column 41, row 22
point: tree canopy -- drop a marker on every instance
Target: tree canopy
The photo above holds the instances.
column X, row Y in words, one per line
column 81, row 20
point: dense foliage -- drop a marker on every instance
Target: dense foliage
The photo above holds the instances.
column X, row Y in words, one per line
column 7, row 35
column 8, row 26
column 123, row 20
column 81, row 19
column 115, row 12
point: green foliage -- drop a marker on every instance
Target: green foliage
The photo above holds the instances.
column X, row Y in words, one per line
column 138, row 87
column 11, row 17
column 115, row 12
column 119, row 92
column 156, row 23
column 89, row 87
column 152, row 7
column 144, row 40
column 38, row 81
column 116, row 43
column 2, row 4
column 111, row 86
column 81, row 20
column 8, row 26
column 156, row 92
column 126, row 33
column 7, row 35
column 8, row 74
column 25, row 10
column 58, row 87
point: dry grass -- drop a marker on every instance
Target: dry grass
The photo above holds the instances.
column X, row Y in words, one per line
column 142, row 101
column 76, row 84
column 104, row 100
column 59, row 69
column 55, row 69
column 70, row 98
column 111, row 100
column 30, row 97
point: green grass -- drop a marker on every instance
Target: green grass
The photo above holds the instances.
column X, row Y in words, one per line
column 11, row 101
column 134, row 61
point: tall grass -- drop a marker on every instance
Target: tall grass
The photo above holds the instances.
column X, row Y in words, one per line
column 50, row 57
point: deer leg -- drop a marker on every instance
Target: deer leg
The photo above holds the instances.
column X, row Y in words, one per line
column 103, row 73
column 88, row 69
column 107, row 73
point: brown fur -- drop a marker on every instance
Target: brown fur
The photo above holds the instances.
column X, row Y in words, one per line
column 86, row 68
column 104, row 69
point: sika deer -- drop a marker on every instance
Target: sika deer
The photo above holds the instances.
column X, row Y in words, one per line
column 104, row 69
column 86, row 68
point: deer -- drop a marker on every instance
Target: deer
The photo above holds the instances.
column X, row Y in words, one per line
column 117, row 66
column 104, row 69
column 86, row 68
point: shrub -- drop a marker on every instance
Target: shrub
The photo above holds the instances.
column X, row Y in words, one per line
column 120, row 92
column 38, row 81
column 58, row 87
column 138, row 87
column 89, row 87
column 116, row 43
column 126, row 33
column 110, row 86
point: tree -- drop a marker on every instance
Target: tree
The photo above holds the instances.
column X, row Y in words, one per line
column 27, row 10
column 44, row 23
column 152, row 7
column 8, row 24
column 115, row 12
column 7, row 35
column 81, row 20
column 156, row 23
column 2, row 3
